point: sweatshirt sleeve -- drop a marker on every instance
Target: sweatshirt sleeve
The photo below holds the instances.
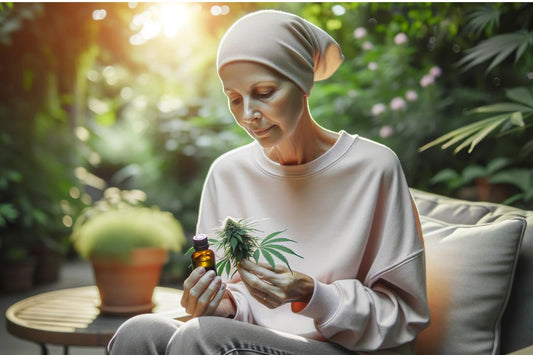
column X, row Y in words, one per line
column 388, row 312
column 386, row 306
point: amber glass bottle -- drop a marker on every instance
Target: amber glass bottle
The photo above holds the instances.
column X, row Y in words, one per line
column 203, row 256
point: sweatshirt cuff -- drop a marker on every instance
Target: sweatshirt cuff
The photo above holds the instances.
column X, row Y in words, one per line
column 238, row 300
column 323, row 304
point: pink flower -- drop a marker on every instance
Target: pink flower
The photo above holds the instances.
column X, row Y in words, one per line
column 398, row 104
column 400, row 38
column 378, row 109
column 435, row 71
column 411, row 95
column 372, row 66
column 367, row 46
column 427, row 80
column 359, row 32
column 386, row 131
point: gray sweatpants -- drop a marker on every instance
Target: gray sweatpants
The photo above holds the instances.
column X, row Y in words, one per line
column 151, row 334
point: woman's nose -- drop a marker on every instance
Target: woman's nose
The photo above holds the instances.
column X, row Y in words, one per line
column 248, row 110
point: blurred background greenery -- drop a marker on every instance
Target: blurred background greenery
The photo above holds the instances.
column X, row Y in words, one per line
column 95, row 95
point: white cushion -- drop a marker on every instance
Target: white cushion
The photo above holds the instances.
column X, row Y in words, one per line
column 469, row 272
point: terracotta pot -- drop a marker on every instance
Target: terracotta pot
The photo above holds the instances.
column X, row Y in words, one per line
column 492, row 192
column 48, row 265
column 17, row 276
column 126, row 289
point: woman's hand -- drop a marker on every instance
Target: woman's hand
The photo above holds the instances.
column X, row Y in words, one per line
column 274, row 288
column 204, row 294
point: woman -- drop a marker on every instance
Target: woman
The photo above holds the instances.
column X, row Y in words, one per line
column 360, row 286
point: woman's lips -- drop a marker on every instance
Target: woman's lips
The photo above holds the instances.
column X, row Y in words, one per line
column 261, row 131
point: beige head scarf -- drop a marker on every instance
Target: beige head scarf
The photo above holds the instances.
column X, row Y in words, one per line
column 291, row 45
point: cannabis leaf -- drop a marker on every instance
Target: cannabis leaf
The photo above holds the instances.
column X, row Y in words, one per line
column 238, row 243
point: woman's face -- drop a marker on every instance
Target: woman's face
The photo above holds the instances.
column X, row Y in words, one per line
column 266, row 104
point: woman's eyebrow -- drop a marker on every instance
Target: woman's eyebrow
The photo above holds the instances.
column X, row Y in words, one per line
column 254, row 85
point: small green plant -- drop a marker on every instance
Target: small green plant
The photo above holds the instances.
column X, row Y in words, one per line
column 236, row 240
column 120, row 223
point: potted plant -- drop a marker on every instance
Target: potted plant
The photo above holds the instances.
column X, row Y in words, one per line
column 127, row 244
column 17, row 266
column 494, row 182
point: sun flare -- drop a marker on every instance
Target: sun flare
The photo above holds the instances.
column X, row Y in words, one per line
column 167, row 19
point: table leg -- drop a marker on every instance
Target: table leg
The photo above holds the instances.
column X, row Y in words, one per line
column 65, row 350
column 44, row 349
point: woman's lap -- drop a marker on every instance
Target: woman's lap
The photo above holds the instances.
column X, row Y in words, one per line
column 152, row 334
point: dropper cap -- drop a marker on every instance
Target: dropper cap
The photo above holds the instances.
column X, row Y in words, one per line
column 200, row 242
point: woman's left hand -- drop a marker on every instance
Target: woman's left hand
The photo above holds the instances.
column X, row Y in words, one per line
column 275, row 287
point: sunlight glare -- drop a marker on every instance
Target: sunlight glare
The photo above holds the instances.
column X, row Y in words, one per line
column 173, row 17
column 165, row 18
column 99, row 15
column 219, row 10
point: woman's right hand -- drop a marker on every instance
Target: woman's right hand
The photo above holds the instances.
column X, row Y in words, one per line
column 204, row 294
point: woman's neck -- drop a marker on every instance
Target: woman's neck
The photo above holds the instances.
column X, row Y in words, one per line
column 308, row 142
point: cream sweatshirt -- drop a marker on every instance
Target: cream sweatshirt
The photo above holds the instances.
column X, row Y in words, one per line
column 351, row 213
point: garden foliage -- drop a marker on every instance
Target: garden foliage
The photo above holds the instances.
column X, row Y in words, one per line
column 122, row 94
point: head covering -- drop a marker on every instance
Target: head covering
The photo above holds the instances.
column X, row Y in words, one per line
column 289, row 44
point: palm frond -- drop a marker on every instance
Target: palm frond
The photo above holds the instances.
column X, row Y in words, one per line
column 484, row 18
column 508, row 114
column 497, row 49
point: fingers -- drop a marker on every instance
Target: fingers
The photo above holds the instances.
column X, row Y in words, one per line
column 206, row 301
column 274, row 288
column 264, row 292
column 212, row 306
column 203, row 291
column 193, row 278
column 280, row 277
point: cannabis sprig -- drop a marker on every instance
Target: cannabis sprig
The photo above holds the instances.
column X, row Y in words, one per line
column 238, row 243
column 236, row 239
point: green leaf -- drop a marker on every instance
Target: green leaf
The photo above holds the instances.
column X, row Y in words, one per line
column 497, row 164
column 517, row 119
column 8, row 211
column 256, row 255
column 280, row 256
column 445, row 175
column 500, row 107
column 268, row 258
column 481, row 135
column 458, row 138
column 233, row 243
column 236, row 237
column 223, row 265
column 283, row 248
column 480, row 130
column 473, row 172
column 472, row 127
column 521, row 95
column 277, row 240
column 516, row 197
column 189, row 252
column 272, row 235
column 497, row 47
column 521, row 178
column 483, row 18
